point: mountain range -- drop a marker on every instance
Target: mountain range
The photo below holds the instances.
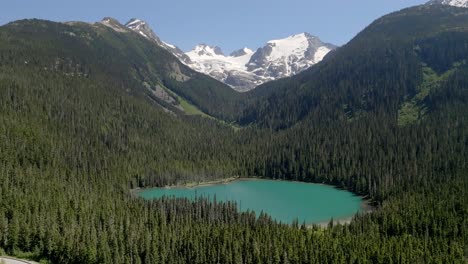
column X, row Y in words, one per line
column 245, row 69
column 456, row 3
column 150, row 65
column 416, row 62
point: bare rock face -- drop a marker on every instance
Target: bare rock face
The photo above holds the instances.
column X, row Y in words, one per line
column 245, row 69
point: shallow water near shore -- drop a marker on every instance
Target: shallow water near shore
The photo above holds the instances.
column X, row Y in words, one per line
column 284, row 201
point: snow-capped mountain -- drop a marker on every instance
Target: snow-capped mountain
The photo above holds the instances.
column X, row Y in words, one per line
column 143, row 29
column 231, row 69
column 289, row 56
column 245, row 69
column 457, row 3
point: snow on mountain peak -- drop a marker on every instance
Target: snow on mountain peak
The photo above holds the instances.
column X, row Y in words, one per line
column 206, row 50
column 288, row 56
column 457, row 3
column 245, row 69
column 282, row 48
column 297, row 37
column 241, row 52
column 142, row 28
column 134, row 23
column 211, row 60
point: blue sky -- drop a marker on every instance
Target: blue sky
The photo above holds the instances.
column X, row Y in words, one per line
column 229, row 24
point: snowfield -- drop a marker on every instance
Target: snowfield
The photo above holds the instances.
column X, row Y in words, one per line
column 245, row 69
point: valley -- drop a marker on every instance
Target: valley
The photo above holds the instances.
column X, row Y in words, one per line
column 244, row 69
column 99, row 120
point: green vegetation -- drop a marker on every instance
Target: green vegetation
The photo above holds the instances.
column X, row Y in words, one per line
column 390, row 66
column 77, row 132
column 80, row 49
column 189, row 109
column 409, row 113
column 414, row 108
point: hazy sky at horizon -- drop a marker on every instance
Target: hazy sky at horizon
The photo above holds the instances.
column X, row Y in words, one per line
column 231, row 25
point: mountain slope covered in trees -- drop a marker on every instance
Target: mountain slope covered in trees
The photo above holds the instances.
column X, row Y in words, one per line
column 391, row 68
column 76, row 135
column 108, row 49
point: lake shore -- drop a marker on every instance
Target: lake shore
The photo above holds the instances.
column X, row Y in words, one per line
column 365, row 207
column 191, row 185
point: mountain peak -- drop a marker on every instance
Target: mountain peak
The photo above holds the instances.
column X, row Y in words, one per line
column 204, row 49
column 136, row 24
column 245, row 69
column 297, row 45
column 110, row 20
column 295, row 41
column 297, row 37
column 241, row 52
column 456, row 3
column 135, row 21
column 141, row 27
column 114, row 24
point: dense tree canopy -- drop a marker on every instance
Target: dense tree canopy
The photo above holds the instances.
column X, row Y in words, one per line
column 77, row 133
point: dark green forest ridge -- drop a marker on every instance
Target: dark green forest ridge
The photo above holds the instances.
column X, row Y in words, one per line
column 392, row 68
column 109, row 50
column 384, row 117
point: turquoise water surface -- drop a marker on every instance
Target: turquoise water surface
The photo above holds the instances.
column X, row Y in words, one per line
column 283, row 200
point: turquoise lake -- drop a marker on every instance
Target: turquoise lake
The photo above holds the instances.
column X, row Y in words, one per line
column 285, row 201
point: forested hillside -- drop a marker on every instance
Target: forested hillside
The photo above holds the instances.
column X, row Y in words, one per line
column 78, row 132
column 391, row 68
column 109, row 50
